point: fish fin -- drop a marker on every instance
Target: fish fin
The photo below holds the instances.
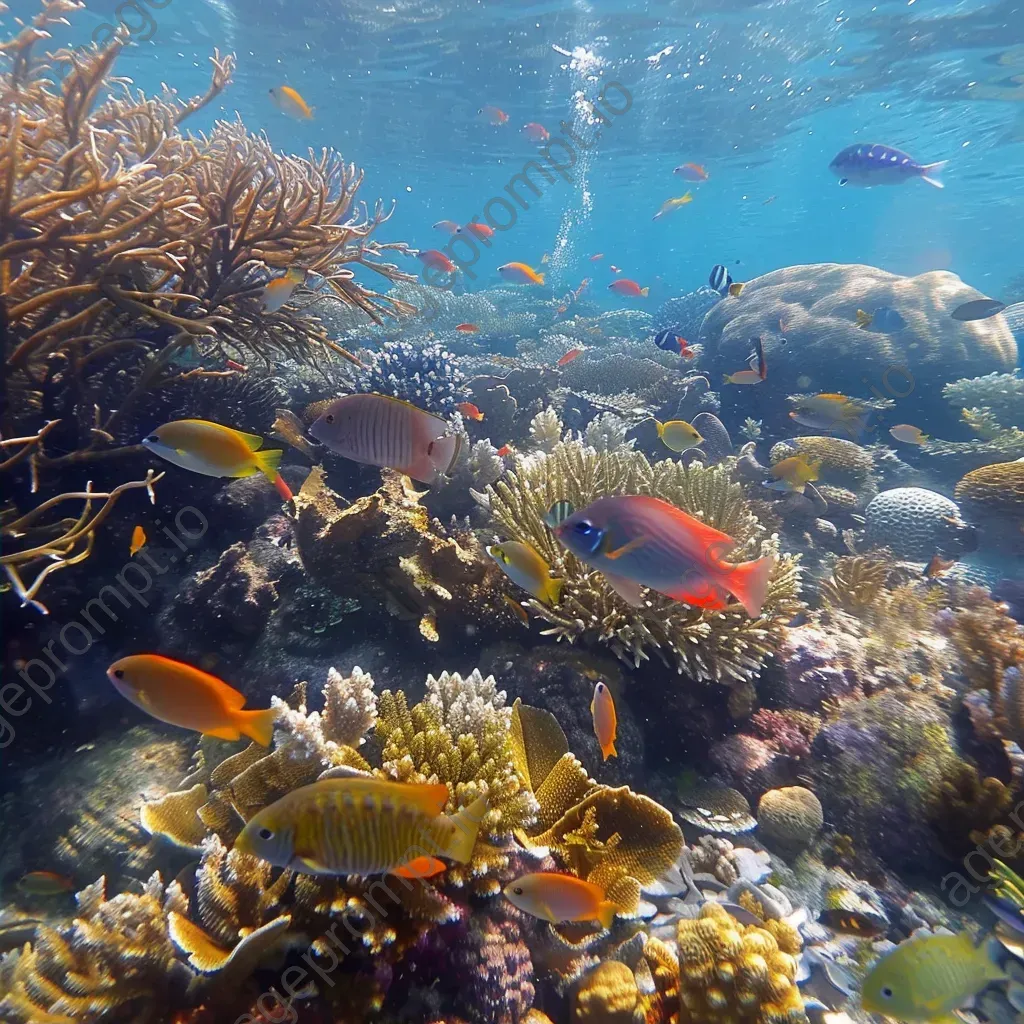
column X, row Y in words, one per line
column 420, row 867
column 429, row 797
column 443, row 451
column 701, row 593
column 645, row 292
column 467, row 825
column 636, row 542
column 748, row 582
column 344, row 771
column 660, row 427
column 605, row 915
column 268, row 462
column 930, row 173
column 553, row 591
column 629, row 591
column 609, row 751
column 224, row 732
column 251, row 441
column 726, row 379
column 257, row 725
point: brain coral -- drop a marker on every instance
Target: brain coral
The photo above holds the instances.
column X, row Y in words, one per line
column 791, row 816
column 913, row 521
column 995, row 489
column 608, row 995
column 817, row 307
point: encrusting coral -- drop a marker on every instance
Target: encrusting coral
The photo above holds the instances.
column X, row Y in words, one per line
column 726, row 646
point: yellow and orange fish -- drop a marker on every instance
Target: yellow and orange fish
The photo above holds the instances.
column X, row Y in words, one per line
column 289, row 102
column 280, row 290
column 138, row 541
column 45, row 883
column 470, row 411
column 624, row 286
column 536, row 132
column 436, row 260
column 692, row 172
column 606, row 723
column 520, row 273
column 180, row 694
column 505, row 449
column 556, row 898
column 794, row 474
column 573, row 353
column 213, row 449
column 493, row 115
column 527, row 569
column 671, row 205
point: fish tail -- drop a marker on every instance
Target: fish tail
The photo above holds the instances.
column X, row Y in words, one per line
column 444, row 451
column 645, row 292
column 748, row 582
column 268, row 462
column 606, row 913
column 609, row 751
column 467, row 825
column 931, row 172
column 540, row 277
column 283, row 489
column 553, row 591
column 257, row 725
column 725, row 379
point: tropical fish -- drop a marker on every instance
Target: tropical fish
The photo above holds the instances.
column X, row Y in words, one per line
column 470, row 411
column 638, row 541
column 527, row 569
column 830, row 412
column 482, row 231
column 277, row 292
column 505, row 449
column 874, row 164
column 614, row 269
column 848, row 913
column 794, row 473
column 467, row 328
column 290, row 429
column 670, row 205
column 719, row 279
column 378, row 430
column 736, row 289
column 182, row 695
column 978, row 309
column 546, row 258
column 518, row 610
column 213, row 449
column 692, row 172
column 908, row 434
column 938, row 566
column 597, row 256
column 449, row 227
column 289, row 102
column 138, row 541
column 678, row 435
column 436, row 260
column 520, row 273
column 742, row 377
column 492, row 115
column 769, row 201
column 884, row 320
column 536, row 132
column 554, row 897
column 45, row 883
column 361, row 825
column 863, row 318
column 624, row 286
column 569, row 356
column 672, row 342
column 581, row 288
column 606, row 723
column 758, row 355
column 926, row 977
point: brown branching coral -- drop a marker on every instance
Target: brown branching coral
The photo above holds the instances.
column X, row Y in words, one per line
column 726, row 646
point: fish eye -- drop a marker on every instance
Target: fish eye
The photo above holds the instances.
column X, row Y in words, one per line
column 518, row 890
column 600, row 687
column 119, row 673
column 265, row 833
column 584, row 529
column 153, row 438
column 329, row 418
column 887, row 992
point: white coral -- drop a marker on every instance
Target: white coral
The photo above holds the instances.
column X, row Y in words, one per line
column 299, row 733
column 468, row 705
column 546, row 429
column 484, row 464
column 350, row 707
column 607, row 433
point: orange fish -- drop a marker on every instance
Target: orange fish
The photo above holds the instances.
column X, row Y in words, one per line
column 289, row 102
column 554, row 897
column 692, row 172
column 561, row 309
column 684, row 349
column 470, row 411
column 597, row 256
column 138, row 541
column 536, row 132
column 179, row 694
column 467, row 328
column 520, row 273
column 570, row 356
column 624, row 286
column 602, row 709
column 277, row 292
column 518, row 609
column 282, row 488
column 436, row 260
column 44, row 883
column 583, row 286
column 505, row 449
column 232, row 364
column 493, row 115
column 938, row 566
column 482, row 231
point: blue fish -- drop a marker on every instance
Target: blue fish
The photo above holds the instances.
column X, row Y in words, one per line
column 887, row 320
column 719, row 279
column 672, row 342
column 874, row 164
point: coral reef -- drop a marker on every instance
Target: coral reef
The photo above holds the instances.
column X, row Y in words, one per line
column 725, row 646
column 915, row 523
column 424, row 374
column 993, row 490
column 790, row 817
column 842, row 463
column 1002, row 394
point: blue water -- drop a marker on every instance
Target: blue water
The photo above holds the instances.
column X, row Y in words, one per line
column 763, row 95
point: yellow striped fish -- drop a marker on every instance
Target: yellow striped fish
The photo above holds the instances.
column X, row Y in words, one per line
column 381, row 431
column 362, row 825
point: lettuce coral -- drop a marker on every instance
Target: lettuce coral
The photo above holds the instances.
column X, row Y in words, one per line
column 726, row 646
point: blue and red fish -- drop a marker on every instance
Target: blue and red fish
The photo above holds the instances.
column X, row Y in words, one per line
column 874, row 164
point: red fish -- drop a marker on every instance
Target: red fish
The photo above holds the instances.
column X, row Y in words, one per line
column 561, row 309
column 470, row 411
column 467, row 328
column 536, row 132
column 231, row 364
column 505, row 449
column 625, row 286
column 584, row 284
column 569, row 356
column 493, row 115
column 684, row 349
column 597, row 256
column 482, row 231
column 436, row 260
column 283, row 489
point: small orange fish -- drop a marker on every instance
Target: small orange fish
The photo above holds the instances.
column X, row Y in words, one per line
column 742, row 377
column 561, row 309
column 583, row 286
column 520, row 273
column 684, row 349
column 289, row 102
column 505, row 449
column 467, row 328
column 569, row 356
column 597, row 256
column 277, row 292
column 493, row 115
column 518, row 609
column 45, row 883
column 482, row 231
column 138, row 541
column 692, row 172
column 602, row 710
column 536, row 132
column 232, row 364
column 624, row 286
column 938, row 566
column 436, row 260
column 470, row 411
column 555, row 897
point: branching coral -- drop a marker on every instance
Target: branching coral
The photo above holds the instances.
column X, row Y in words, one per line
column 725, row 646
column 424, row 374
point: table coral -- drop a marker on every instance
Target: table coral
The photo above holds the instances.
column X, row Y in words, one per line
column 726, row 646
column 994, row 490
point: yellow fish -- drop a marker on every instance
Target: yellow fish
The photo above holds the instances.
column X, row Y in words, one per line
column 830, row 412
column 908, row 434
column 794, row 473
column 864, row 319
column 927, row 977
column 670, row 205
column 527, row 569
column 213, row 449
column 362, row 825
column 279, row 291
column 606, row 722
column 289, row 102
column 556, row 898
column 742, row 377
column 678, row 435
column 138, row 541
column 736, row 288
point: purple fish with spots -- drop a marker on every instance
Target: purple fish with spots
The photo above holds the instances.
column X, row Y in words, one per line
column 874, row 164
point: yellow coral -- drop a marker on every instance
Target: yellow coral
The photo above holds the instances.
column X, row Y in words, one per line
column 997, row 489
column 729, row 971
column 790, row 816
column 608, row 995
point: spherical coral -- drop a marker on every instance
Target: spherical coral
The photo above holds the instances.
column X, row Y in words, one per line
column 996, row 489
column 791, row 817
column 608, row 995
column 424, row 374
column 730, row 971
column 911, row 521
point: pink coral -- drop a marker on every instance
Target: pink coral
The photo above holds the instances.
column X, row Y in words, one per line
column 790, row 734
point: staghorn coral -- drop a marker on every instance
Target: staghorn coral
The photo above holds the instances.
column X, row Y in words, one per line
column 726, row 646
column 735, row 971
column 996, row 490
column 1001, row 394
column 545, row 430
column 790, row 816
column 424, row 374
column 606, row 432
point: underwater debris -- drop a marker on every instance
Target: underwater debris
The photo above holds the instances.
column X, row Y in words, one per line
column 725, row 646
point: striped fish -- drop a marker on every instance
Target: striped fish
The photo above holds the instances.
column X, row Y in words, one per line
column 381, row 431
column 362, row 825
column 719, row 279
